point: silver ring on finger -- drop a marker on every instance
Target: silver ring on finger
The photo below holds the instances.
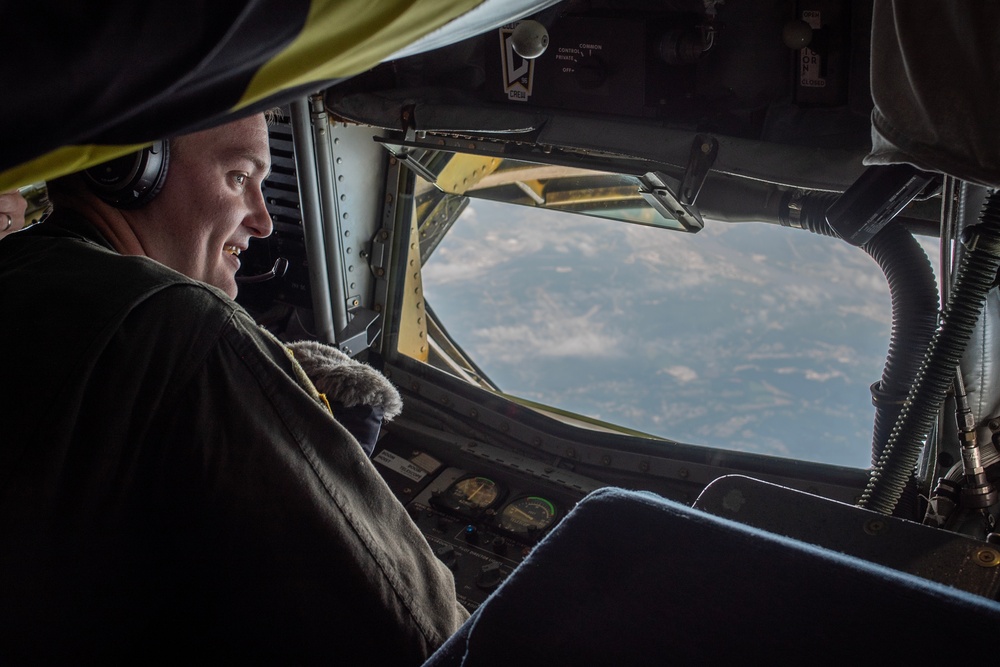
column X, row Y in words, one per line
column 10, row 222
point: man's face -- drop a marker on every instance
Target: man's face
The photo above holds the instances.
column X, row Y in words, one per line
column 211, row 203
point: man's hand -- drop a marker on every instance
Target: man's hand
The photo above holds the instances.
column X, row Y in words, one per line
column 12, row 206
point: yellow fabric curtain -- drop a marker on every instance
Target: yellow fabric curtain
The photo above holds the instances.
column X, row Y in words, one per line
column 340, row 38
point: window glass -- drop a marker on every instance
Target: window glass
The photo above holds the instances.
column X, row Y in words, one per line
column 744, row 336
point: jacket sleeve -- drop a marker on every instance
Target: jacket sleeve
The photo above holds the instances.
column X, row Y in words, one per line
column 287, row 528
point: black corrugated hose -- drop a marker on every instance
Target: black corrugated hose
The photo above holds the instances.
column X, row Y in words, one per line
column 914, row 295
column 976, row 274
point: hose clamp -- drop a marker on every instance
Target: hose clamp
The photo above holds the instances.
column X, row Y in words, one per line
column 795, row 209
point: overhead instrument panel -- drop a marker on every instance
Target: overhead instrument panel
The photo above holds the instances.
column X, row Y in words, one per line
column 592, row 63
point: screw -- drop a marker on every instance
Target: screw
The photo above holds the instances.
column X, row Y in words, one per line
column 874, row 526
column 987, row 557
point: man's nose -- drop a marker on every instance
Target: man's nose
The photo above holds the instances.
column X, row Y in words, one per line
column 259, row 220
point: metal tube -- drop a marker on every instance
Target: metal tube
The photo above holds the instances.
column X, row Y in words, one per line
column 328, row 204
column 948, row 235
column 312, row 219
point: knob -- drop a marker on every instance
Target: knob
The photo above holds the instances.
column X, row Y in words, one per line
column 797, row 34
column 489, row 576
column 446, row 554
column 529, row 39
column 499, row 546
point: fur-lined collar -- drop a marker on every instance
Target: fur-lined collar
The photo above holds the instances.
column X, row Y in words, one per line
column 345, row 380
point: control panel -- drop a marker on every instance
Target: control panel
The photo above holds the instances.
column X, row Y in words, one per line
column 480, row 523
column 604, row 64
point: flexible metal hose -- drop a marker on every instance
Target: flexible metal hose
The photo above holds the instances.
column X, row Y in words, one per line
column 914, row 295
column 975, row 277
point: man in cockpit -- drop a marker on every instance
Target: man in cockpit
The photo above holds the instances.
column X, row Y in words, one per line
column 174, row 486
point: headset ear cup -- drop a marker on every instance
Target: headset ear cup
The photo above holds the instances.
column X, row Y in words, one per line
column 133, row 180
column 160, row 177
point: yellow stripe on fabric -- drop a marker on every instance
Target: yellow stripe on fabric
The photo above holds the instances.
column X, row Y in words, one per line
column 345, row 37
column 61, row 161
column 340, row 38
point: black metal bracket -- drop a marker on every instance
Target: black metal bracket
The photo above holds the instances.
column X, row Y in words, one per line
column 675, row 198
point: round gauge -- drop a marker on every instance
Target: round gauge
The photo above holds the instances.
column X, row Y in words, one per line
column 527, row 516
column 470, row 495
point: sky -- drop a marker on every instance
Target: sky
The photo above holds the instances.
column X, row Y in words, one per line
column 743, row 336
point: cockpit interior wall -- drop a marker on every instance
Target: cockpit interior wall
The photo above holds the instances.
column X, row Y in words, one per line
column 760, row 108
column 618, row 81
column 605, row 95
column 191, row 64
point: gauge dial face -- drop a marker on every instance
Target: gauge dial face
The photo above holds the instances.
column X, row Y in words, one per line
column 476, row 491
column 470, row 495
column 527, row 516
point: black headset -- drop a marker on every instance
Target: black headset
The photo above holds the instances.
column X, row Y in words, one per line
column 131, row 181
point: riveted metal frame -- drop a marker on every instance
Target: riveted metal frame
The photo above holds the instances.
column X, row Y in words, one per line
column 342, row 175
column 399, row 288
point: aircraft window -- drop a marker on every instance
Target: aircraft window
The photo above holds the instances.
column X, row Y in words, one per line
column 745, row 336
